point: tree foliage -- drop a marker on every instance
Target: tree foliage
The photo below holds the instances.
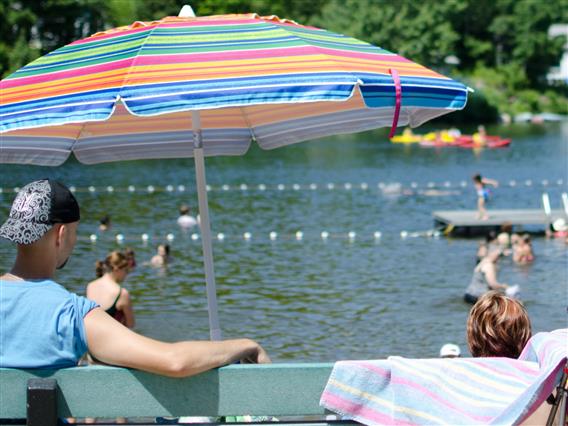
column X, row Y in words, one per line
column 505, row 40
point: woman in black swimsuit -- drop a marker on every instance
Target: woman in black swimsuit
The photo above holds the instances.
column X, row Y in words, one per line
column 106, row 289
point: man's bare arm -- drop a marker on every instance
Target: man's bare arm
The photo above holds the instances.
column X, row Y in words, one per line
column 112, row 343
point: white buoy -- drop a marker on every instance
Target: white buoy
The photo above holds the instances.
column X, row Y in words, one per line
column 145, row 237
column 348, row 186
column 414, row 185
column 243, row 187
column 131, row 188
column 119, row 238
column 377, row 235
column 447, row 184
column 72, row 189
column 220, row 236
column 170, row 237
column 17, row 189
column 273, row 235
column 559, row 182
column 181, row 188
column 463, row 183
column 92, row 189
column 296, row 187
column 281, row 187
column 93, row 238
column 403, row 234
column 150, row 189
column 544, row 182
column 351, row 235
column 194, row 237
column 324, row 235
column 262, row 187
column 512, row 183
column 330, row 186
column 364, row 185
column 313, row 186
column 208, row 188
column 169, row 188
column 247, row 236
column 299, row 235
column 381, row 185
column 225, row 187
column 528, row 182
column 110, row 189
column 431, row 184
column 1, row 190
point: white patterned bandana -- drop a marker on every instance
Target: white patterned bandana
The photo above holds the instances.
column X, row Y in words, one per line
column 35, row 210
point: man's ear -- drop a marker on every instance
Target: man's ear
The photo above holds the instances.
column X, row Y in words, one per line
column 60, row 231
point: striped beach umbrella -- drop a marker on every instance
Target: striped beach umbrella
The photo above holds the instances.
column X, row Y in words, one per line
column 205, row 86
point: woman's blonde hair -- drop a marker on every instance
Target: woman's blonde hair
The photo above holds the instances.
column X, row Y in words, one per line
column 498, row 326
column 115, row 260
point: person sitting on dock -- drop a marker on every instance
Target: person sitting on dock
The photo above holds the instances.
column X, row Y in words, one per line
column 558, row 229
column 46, row 326
column 498, row 326
column 483, row 194
column 484, row 278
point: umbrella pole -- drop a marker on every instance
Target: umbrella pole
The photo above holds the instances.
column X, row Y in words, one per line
column 214, row 328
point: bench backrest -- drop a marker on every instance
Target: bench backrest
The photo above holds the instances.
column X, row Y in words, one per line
column 98, row 391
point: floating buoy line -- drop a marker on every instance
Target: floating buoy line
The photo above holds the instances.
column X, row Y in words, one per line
column 385, row 187
column 350, row 236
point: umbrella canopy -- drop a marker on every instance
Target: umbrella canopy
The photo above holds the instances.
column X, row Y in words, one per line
column 195, row 87
column 97, row 90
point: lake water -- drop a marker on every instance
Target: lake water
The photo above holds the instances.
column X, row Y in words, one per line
column 314, row 299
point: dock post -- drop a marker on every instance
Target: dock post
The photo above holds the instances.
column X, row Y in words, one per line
column 565, row 203
column 547, row 209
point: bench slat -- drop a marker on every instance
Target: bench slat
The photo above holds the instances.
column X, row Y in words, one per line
column 99, row 391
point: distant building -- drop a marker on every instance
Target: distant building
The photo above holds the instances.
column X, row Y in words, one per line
column 559, row 73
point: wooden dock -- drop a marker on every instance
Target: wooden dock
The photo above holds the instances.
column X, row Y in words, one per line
column 468, row 219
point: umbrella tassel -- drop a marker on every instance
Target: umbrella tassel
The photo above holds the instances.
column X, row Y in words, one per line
column 398, row 101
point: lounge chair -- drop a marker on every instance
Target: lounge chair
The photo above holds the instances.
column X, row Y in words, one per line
column 459, row 391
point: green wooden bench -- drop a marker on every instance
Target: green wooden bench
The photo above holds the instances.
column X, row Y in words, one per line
column 280, row 390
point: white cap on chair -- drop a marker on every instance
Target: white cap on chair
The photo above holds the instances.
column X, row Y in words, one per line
column 449, row 350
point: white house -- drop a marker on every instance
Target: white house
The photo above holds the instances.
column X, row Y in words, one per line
column 559, row 73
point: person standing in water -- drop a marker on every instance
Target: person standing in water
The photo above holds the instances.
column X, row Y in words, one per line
column 484, row 278
column 480, row 184
column 185, row 220
column 106, row 290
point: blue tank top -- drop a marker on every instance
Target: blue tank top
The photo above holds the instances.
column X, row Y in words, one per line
column 42, row 325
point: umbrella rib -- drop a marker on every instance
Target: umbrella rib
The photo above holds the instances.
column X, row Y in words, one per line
column 135, row 58
column 248, row 123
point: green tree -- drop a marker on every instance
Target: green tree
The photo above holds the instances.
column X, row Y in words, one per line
column 15, row 36
column 32, row 28
column 420, row 31
column 504, row 32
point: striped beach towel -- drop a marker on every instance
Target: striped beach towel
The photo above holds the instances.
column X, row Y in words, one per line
column 457, row 391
